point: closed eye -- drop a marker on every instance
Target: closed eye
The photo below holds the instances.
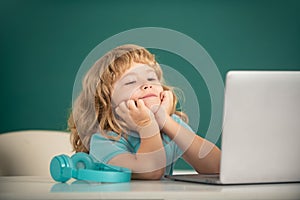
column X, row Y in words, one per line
column 151, row 79
column 130, row 82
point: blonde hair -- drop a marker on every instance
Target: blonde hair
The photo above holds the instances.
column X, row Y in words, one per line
column 92, row 111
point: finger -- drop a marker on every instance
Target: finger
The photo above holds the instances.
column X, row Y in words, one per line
column 122, row 106
column 140, row 103
column 131, row 104
column 122, row 112
column 165, row 94
column 168, row 96
column 162, row 94
column 118, row 111
column 165, row 97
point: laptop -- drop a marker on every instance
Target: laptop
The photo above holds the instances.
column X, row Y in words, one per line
column 261, row 130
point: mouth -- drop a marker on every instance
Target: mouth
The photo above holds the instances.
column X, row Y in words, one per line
column 148, row 96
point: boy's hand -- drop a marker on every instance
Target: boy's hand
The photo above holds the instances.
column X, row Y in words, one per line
column 167, row 101
column 138, row 118
column 164, row 110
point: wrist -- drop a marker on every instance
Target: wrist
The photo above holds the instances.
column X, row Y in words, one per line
column 162, row 119
column 149, row 130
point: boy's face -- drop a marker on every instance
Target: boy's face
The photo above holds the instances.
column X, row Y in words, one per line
column 138, row 82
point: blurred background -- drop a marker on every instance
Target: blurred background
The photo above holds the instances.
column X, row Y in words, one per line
column 43, row 43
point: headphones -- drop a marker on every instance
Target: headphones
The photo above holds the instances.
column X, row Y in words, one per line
column 82, row 167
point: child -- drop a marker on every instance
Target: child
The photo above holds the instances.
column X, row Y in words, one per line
column 126, row 116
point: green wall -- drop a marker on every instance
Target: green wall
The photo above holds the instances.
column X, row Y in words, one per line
column 43, row 44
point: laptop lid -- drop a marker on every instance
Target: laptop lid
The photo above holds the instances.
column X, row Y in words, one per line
column 261, row 127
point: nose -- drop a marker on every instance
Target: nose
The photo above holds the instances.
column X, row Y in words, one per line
column 146, row 86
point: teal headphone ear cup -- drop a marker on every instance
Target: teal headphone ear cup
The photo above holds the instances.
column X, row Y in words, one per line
column 83, row 161
column 61, row 168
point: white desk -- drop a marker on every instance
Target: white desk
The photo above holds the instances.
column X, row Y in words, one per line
column 31, row 187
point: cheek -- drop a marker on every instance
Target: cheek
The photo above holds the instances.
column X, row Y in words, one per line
column 133, row 95
column 119, row 95
column 124, row 94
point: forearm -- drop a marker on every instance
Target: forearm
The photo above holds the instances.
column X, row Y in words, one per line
column 203, row 155
column 150, row 144
column 148, row 162
column 151, row 155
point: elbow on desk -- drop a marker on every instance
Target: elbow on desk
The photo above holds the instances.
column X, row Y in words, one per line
column 154, row 175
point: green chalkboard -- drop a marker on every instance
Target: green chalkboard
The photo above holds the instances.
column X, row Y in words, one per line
column 43, row 44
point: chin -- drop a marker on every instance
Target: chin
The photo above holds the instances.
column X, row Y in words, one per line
column 149, row 103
